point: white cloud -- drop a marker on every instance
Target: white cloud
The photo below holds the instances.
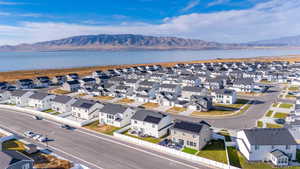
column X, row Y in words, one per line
column 217, row 2
column 190, row 5
column 9, row 3
column 276, row 18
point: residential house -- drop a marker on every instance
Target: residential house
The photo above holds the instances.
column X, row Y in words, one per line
column 72, row 76
column 151, row 123
column 62, row 103
column 190, row 134
column 224, row 96
column 3, row 85
column 267, row 144
column 25, row 84
column 243, row 85
column 71, row 86
column 115, row 115
column 42, row 82
column 10, row 159
column 4, row 95
column 200, row 103
column 87, row 82
column 188, row 91
column 59, row 80
column 173, row 88
column 85, row 109
column 20, row 97
column 40, row 101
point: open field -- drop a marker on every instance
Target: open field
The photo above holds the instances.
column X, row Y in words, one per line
column 83, row 71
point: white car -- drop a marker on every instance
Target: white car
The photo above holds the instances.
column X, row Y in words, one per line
column 37, row 136
column 42, row 139
column 29, row 134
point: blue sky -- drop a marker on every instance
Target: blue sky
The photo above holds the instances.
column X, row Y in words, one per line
column 212, row 20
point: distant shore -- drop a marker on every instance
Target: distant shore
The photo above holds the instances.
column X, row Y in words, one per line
column 12, row 76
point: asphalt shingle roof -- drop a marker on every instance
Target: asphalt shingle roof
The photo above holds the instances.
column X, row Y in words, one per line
column 113, row 108
column 148, row 116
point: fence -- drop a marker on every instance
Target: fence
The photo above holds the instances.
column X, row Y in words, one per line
column 46, row 116
column 118, row 134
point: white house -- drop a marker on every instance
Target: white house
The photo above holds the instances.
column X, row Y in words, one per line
column 188, row 91
column 4, row 95
column 62, row 103
column 71, row 86
column 85, row 109
column 20, row 97
column 224, row 96
column 154, row 124
column 263, row 144
column 115, row 115
column 40, row 101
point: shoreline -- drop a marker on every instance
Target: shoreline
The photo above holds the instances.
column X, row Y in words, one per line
column 11, row 76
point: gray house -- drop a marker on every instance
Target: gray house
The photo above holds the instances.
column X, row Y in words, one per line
column 62, row 103
column 15, row 160
column 190, row 134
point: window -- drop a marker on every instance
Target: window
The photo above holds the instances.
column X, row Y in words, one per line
column 256, row 147
column 287, row 147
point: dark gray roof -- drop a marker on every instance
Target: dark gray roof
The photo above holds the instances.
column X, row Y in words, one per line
column 192, row 89
column 18, row 93
column 62, row 99
column 146, row 83
column 39, row 96
column 8, row 158
column 224, row 91
column 148, row 116
column 88, row 79
column 113, row 108
column 83, row 103
column 270, row 136
column 164, row 85
column 188, row 126
column 73, row 82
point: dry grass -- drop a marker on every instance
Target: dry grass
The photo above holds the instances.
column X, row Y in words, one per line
column 150, row 105
column 83, row 71
column 104, row 98
column 48, row 161
column 59, row 91
column 176, row 110
column 125, row 101
column 106, row 129
column 13, row 145
column 81, row 95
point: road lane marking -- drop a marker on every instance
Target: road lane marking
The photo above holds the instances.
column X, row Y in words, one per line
column 119, row 143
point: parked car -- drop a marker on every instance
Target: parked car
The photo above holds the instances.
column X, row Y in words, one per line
column 37, row 136
column 42, row 139
column 280, row 121
column 65, row 126
column 29, row 134
column 37, row 117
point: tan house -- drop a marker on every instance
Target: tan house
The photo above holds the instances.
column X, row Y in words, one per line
column 190, row 134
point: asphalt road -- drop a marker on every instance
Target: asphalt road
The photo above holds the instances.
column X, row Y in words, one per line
column 247, row 119
column 93, row 150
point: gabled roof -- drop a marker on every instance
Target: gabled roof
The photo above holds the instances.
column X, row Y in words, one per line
column 73, row 82
column 39, row 96
column 83, row 103
column 62, row 99
column 19, row 93
column 192, row 89
column 148, row 116
column 269, row 136
column 187, row 126
column 113, row 108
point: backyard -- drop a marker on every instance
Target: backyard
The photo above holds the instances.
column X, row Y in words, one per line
column 176, row 110
column 149, row 139
column 280, row 115
column 238, row 160
column 285, row 105
column 271, row 125
column 214, row 151
column 189, row 150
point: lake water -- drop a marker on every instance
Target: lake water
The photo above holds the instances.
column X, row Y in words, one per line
column 50, row 60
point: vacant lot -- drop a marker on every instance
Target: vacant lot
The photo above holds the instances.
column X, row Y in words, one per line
column 104, row 98
column 43, row 161
column 59, row 91
column 105, row 129
column 150, row 105
column 125, row 101
column 176, row 110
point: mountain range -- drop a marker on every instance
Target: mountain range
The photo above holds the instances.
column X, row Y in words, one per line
column 119, row 42
column 142, row 42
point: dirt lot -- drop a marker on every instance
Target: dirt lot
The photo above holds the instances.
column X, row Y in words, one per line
column 43, row 161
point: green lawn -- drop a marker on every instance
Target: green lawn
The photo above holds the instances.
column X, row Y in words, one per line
column 275, row 104
column 149, row 139
column 280, row 115
column 48, row 111
column 238, row 160
column 214, row 151
column 271, row 125
column 239, row 103
column 189, row 150
column 260, row 124
column 269, row 113
column 285, row 105
column 56, row 113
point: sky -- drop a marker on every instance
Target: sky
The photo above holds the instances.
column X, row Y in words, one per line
column 229, row 21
